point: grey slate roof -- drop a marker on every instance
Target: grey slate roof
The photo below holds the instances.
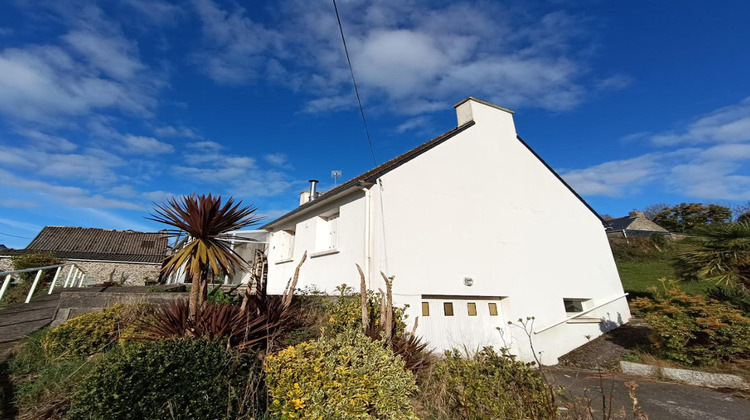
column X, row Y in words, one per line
column 100, row 244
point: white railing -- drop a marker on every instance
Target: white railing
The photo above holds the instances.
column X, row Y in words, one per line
column 74, row 278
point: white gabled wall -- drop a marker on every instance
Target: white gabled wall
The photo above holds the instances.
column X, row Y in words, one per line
column 479, row 205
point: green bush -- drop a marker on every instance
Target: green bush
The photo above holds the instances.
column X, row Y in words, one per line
column 694, row 329
column 39, row 259
column 345, row 312
column 486, row 385
column 635, row 248
column 186, row 378
column 86, row 334
column 345, row 377
column 737, row 296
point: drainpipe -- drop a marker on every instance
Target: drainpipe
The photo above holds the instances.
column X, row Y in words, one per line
column 368, row 229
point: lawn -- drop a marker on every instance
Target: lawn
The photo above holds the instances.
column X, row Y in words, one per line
column 640, row 274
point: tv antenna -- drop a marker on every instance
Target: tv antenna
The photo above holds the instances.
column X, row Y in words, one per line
column 335, row 174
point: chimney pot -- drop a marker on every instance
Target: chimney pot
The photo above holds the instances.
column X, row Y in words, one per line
column 313, row 192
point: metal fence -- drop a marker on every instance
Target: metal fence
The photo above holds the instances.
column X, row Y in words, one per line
column 75, row 278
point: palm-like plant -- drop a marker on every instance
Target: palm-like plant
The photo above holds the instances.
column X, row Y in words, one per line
column 723, row 255
column 203, row 253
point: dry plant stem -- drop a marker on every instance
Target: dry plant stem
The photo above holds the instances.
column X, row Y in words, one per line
column 363, row 297
column 289, row 292
column 388, row 309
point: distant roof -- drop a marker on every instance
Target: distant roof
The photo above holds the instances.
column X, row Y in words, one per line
column 100, row 244
column 2, row 246
column 634, row 223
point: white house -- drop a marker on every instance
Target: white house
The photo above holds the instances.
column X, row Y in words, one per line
column 469, row 224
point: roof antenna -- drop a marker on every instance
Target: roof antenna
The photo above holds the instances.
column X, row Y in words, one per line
column 335, row 174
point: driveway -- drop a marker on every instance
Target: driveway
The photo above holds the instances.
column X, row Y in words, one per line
column 659, row 400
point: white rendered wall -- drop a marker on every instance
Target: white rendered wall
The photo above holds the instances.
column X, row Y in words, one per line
column 479, row 205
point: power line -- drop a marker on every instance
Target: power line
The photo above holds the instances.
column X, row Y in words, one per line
column 15, row 236
column 354, row 82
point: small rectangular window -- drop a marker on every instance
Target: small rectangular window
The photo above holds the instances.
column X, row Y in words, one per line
column 425, row 309
column 573, row 305
column 493, row 308
column 448, row 308
column 472, row 307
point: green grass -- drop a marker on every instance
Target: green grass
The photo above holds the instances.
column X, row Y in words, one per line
column 640, row 274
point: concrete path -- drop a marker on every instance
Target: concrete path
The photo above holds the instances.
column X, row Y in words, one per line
column 19, row 319
column 660, row 401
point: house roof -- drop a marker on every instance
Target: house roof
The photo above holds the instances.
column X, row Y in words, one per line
column 99, row 244
column 375, row 173
column 634, row 222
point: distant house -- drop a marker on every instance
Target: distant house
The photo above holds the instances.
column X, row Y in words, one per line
column 634, row 224
column 122, row 256
column 468, row 223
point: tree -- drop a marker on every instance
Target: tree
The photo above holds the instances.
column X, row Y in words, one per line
column 723, row 255
column 203, row 253
column 651, row 211
column 685, row 217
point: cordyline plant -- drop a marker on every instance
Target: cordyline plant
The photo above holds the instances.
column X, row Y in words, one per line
column 203, row 253
column 723, row 255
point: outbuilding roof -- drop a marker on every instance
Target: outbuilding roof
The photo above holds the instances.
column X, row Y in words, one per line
column 100, row 244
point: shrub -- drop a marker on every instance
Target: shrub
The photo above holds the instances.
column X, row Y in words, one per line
column 39, row 259
column 487, row 385
column 252, row 327
column 737, row 296
column 345, row 312
column 344, row 377
column 181, row 378
column 634, row 248
column 85, row 335
column 694, row 329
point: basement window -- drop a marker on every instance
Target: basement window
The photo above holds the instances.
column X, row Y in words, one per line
column 448, row 308
column 493, row 308
column 425, row 309
column 574, row 306
column 472, row 307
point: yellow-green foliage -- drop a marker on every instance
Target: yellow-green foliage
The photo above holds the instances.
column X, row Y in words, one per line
column 486, row 385
column 345, row 377
column 345, row 312
column 86, row 334
column 694, row 329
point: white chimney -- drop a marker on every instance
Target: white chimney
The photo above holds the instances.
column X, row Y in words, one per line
column 304, row 197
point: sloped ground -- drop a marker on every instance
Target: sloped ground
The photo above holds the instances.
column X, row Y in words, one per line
column 606, row 351
column 20, row 319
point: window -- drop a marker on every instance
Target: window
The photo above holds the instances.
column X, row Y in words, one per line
column 326, row 235
column 285, row 244
column 448, row 308
column 574, row 305
column 472, row 307
column 493, row 308
column 425, row 309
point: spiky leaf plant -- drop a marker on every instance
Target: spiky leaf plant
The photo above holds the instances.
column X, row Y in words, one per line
column 723, row 255
column 203, row 253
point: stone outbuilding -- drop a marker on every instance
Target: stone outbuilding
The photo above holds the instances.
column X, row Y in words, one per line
column 634, row 224
column 105, row 255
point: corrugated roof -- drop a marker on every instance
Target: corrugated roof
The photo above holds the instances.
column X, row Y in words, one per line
column 100, row 244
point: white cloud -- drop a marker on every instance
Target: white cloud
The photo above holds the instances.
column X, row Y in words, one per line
column 409, row 57
column 48, row 142
column 145, row 145
column 69, row 195
column 730, row 124
column 18, row 204
column 715, row 167
column 176, row 131
column 278, row 159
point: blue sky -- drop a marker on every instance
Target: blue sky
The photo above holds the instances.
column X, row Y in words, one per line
column 109, row 106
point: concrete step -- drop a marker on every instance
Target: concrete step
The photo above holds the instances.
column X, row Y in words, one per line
column 20, row 319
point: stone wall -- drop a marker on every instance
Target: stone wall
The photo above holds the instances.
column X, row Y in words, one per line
column 6, row 264
column 134, row 274
column 127, row 274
